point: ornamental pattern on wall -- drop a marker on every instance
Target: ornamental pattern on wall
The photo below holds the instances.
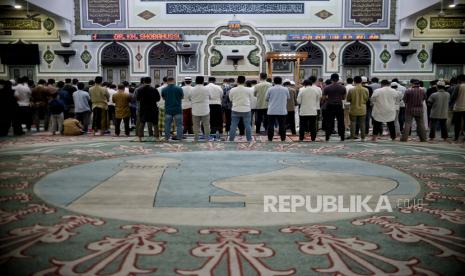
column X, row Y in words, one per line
column 253, row 57
column 216, row 59
column 86, row 57
column 422, row 23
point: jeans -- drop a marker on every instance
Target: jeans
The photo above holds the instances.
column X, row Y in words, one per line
column 357, row 120
column 443, row 124
column 118, row 125
column 169, row 120
column 235, row 118
column 281, row 123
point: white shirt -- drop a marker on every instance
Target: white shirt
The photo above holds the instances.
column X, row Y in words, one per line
column 384, row 104
column 309, row 99
column 216, row 93
column 399, row 100
column 200, row 99
column 161, row 103
column 186, row 103
column 23, row 94
column 111, row 92
column 319, row 90
column 345, row 103
column 241, row 98
column 402, row 90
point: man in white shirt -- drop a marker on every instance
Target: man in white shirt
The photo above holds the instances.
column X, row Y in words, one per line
column 111, row 104
column 161, row 106
column 241, row 98
column 309, row 98
column 216, row 114
column 399, row 103
column 23, row 97
column 187, row 106
column 200, row 99
column 401, row 89
column 346, row 104
column 384, row 109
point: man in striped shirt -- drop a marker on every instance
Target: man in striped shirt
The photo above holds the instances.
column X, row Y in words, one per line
column 413, row 99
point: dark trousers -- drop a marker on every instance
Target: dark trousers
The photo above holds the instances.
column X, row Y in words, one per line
column 134, row 116
column 290, row 122
column 118, row 125
column 355, row 123
column 261, row 117
column 378, row 128
column 420, row 127
column 401, row 118
column 442, row 124
column 39, row 113
column 84, row 119
column 216, row 119
column 459, row 121
column 334, row 111
column 25, row 116
column 308, row 124
column 227, row 118
column 111, row 114
column 367, row 119
column 187, row 121
column 281, row 123
column 152, row 127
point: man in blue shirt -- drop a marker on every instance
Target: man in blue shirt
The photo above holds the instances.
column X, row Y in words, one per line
column 277, row 97
column 82, row 109
column 173, row 95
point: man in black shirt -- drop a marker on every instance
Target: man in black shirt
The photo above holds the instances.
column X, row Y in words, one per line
column 148, row 97
column 334, row 94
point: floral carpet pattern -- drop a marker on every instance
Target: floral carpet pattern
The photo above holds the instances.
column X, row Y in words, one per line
column 37, row 238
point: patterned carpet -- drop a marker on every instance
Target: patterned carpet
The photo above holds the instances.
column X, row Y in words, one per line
column 39, row 238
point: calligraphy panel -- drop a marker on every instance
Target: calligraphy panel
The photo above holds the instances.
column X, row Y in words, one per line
column 447, row 22
column 234, row 8
column 368, row 13
column 101, row 14
column 20, row 24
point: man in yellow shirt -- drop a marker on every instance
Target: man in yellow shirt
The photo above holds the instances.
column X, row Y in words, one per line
column 72, row 127
column 357, row 97
column 122, row 110
column 99, row 96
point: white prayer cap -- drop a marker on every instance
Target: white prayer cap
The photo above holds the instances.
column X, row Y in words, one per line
column 364, row 79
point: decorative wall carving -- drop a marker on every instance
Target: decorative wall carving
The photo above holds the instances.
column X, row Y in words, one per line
column 356, row 54
column 162, row 54
column 315, row 55
column 115, row 54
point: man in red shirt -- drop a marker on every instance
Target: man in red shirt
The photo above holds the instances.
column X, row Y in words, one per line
column 413, row 99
